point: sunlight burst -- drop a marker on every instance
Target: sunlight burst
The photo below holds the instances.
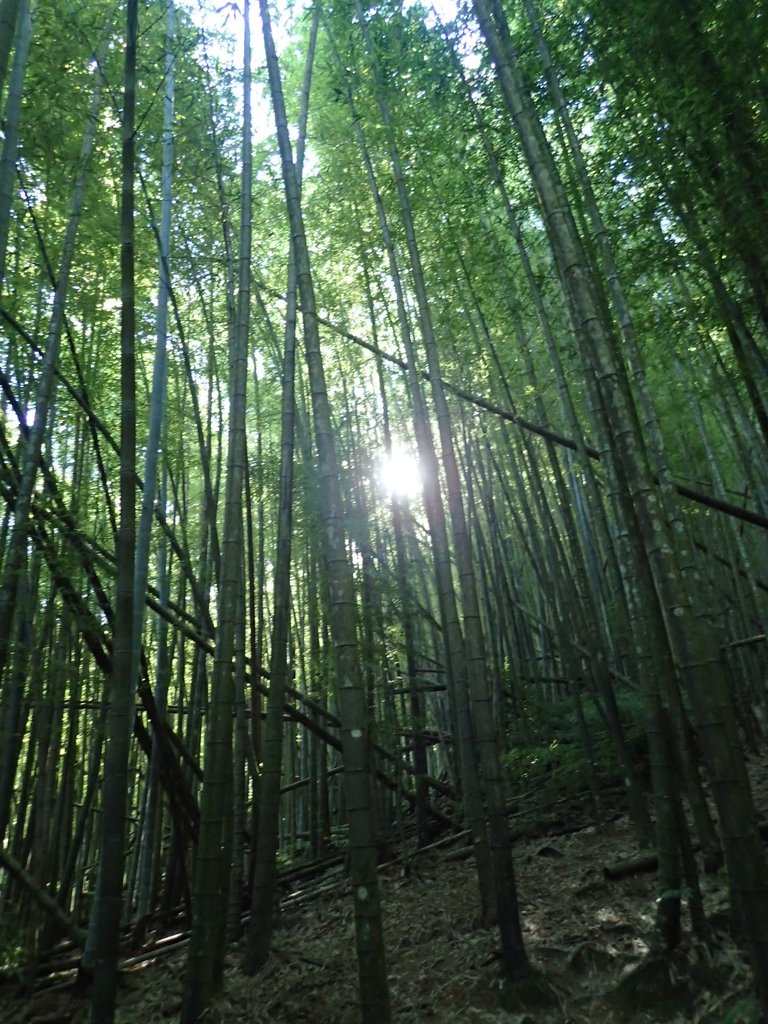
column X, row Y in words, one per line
column 399, row 474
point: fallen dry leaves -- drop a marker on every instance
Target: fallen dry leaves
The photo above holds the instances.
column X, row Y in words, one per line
column 588, row 935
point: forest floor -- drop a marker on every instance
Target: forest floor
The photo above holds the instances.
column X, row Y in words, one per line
column 588, row 935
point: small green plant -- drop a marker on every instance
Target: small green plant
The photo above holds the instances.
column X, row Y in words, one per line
column 548, row 772
column 745, row 1011
column 555, row 764
column 11, row 947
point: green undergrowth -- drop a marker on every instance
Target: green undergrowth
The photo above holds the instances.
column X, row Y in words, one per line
column 11, row 948
column 553, row 764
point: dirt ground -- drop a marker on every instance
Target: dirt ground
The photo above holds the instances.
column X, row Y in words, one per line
column 587, row 935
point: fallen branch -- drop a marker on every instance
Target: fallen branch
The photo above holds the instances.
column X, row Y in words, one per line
column 632, row 866
column 41, row 897
column 650, row 861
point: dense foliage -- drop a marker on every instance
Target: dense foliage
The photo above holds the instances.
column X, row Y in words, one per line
column 521, row 244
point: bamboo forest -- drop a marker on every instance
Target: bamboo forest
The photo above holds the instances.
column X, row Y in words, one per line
column 383, row 563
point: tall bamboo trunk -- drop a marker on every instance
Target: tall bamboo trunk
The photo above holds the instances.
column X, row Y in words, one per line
column 104, row 933
column 211, row 885
column 374, row 989
column 653, row 547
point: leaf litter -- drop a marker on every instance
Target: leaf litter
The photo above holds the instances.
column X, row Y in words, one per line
column 590, row 937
